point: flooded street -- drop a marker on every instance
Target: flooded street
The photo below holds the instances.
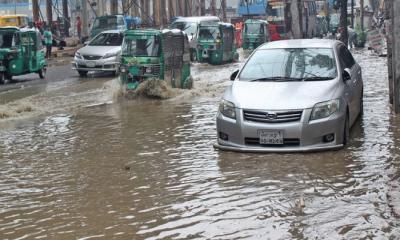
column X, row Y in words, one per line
column 81, row 164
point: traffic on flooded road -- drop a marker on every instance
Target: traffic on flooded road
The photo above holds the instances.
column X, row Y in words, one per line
column 82, row 162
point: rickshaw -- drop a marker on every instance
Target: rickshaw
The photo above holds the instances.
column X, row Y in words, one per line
column 21, row 52
column 155, row 54
column 216, row 44
column 255, row 33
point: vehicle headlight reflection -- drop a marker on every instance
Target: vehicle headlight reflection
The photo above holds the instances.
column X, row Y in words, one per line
column 227, row 109
column 324, row 109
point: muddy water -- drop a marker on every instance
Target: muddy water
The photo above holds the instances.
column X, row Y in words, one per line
column 146, row 169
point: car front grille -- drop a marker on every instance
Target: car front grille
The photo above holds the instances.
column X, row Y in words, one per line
column 272, row 116
column 287, row 142
column 91, row 57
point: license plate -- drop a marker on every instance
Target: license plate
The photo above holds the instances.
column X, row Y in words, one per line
column 270, row 137
column 91, row 64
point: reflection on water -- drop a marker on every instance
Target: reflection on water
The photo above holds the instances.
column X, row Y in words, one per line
column 146, row 169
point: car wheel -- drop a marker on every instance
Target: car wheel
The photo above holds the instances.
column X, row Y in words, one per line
column 346, row 131
column 42, row 73
column 193, row 56
column 82, row 73
column 2, row 80
column 361, row 105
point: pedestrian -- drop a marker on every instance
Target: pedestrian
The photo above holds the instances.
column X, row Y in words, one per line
column 48, row 41
column 79, row 28
column 352, row 37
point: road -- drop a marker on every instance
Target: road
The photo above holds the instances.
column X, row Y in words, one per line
column 77, row 162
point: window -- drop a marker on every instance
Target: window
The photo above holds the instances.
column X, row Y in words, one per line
column 346, row 58
column 294, row 63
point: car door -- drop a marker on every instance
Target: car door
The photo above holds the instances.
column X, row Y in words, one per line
column 351, row 92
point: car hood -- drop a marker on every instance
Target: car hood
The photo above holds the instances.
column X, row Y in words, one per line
column 280, row 95
column 99, row 50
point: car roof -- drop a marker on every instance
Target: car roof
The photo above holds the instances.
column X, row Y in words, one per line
column 197, row 19
column 112, row 31
column 301, row 43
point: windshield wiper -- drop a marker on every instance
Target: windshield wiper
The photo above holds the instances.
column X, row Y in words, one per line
column 317, row 78
column 276, row 79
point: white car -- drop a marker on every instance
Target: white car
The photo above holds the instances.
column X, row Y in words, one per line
column 292, row 96
column 100, row 54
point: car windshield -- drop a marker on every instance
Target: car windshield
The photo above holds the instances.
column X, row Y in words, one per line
column 209, row 33
column 107, row 39
column 7, row 40
column 148, row 47
column 290, row 64
column 188, row 27
column 105, row 23
column 253, row 28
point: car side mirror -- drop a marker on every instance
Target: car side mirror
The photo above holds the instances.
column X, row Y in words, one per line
column 86, row 43
column 234, row 75
column 346, row 75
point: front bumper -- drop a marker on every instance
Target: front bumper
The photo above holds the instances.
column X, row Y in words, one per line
column 104, row 65
column 300, row 136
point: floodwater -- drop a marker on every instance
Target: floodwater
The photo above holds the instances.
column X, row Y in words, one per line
column 83, row 165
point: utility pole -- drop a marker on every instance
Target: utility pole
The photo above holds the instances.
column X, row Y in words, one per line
column 202, row 7
column 213, row 8
column 362, row 14
column 84, row 17
column 156, row 12
column 300, row 9
column 163, row 13
column 35, row 10
column 66, row 19
column 171, row 8
column 388, row 19
column 396, row 54
column 343, row 22
column 223, row 8
column 114, row 7
column 49, row 12
column 352, row 13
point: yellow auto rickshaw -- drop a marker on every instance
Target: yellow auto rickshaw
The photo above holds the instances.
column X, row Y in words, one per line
column 18, row 20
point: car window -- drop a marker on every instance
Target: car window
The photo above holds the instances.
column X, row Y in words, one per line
column 346, row 57
column 121, row 21
column 293, row 63
column 107, row 39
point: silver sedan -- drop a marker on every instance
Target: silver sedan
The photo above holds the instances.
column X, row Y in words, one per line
column 100, row 54
column 292, row 96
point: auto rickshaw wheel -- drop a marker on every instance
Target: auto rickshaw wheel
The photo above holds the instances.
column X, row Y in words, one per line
column 82, row 73
column 42, row 73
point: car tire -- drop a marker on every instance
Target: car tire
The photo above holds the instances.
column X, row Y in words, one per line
column 42, row 73
column 2, row 79
column 82, row 73
column 346, row 130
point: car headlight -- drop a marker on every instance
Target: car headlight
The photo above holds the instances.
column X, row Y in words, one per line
column 78, row 55
column 227, row 109
column 324, row 109
column 108, row 55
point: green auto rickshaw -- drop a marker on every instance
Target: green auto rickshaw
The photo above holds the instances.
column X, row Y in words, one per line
column 155, row 54
column 255, row 33
column 216, row 43
column 21, row 52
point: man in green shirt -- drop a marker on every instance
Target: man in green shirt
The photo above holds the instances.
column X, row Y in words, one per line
column 48, row 41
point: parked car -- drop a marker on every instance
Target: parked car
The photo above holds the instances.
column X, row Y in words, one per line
column 100, row 54
column 108, row 22
column 292, row 96
column 190, row 25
